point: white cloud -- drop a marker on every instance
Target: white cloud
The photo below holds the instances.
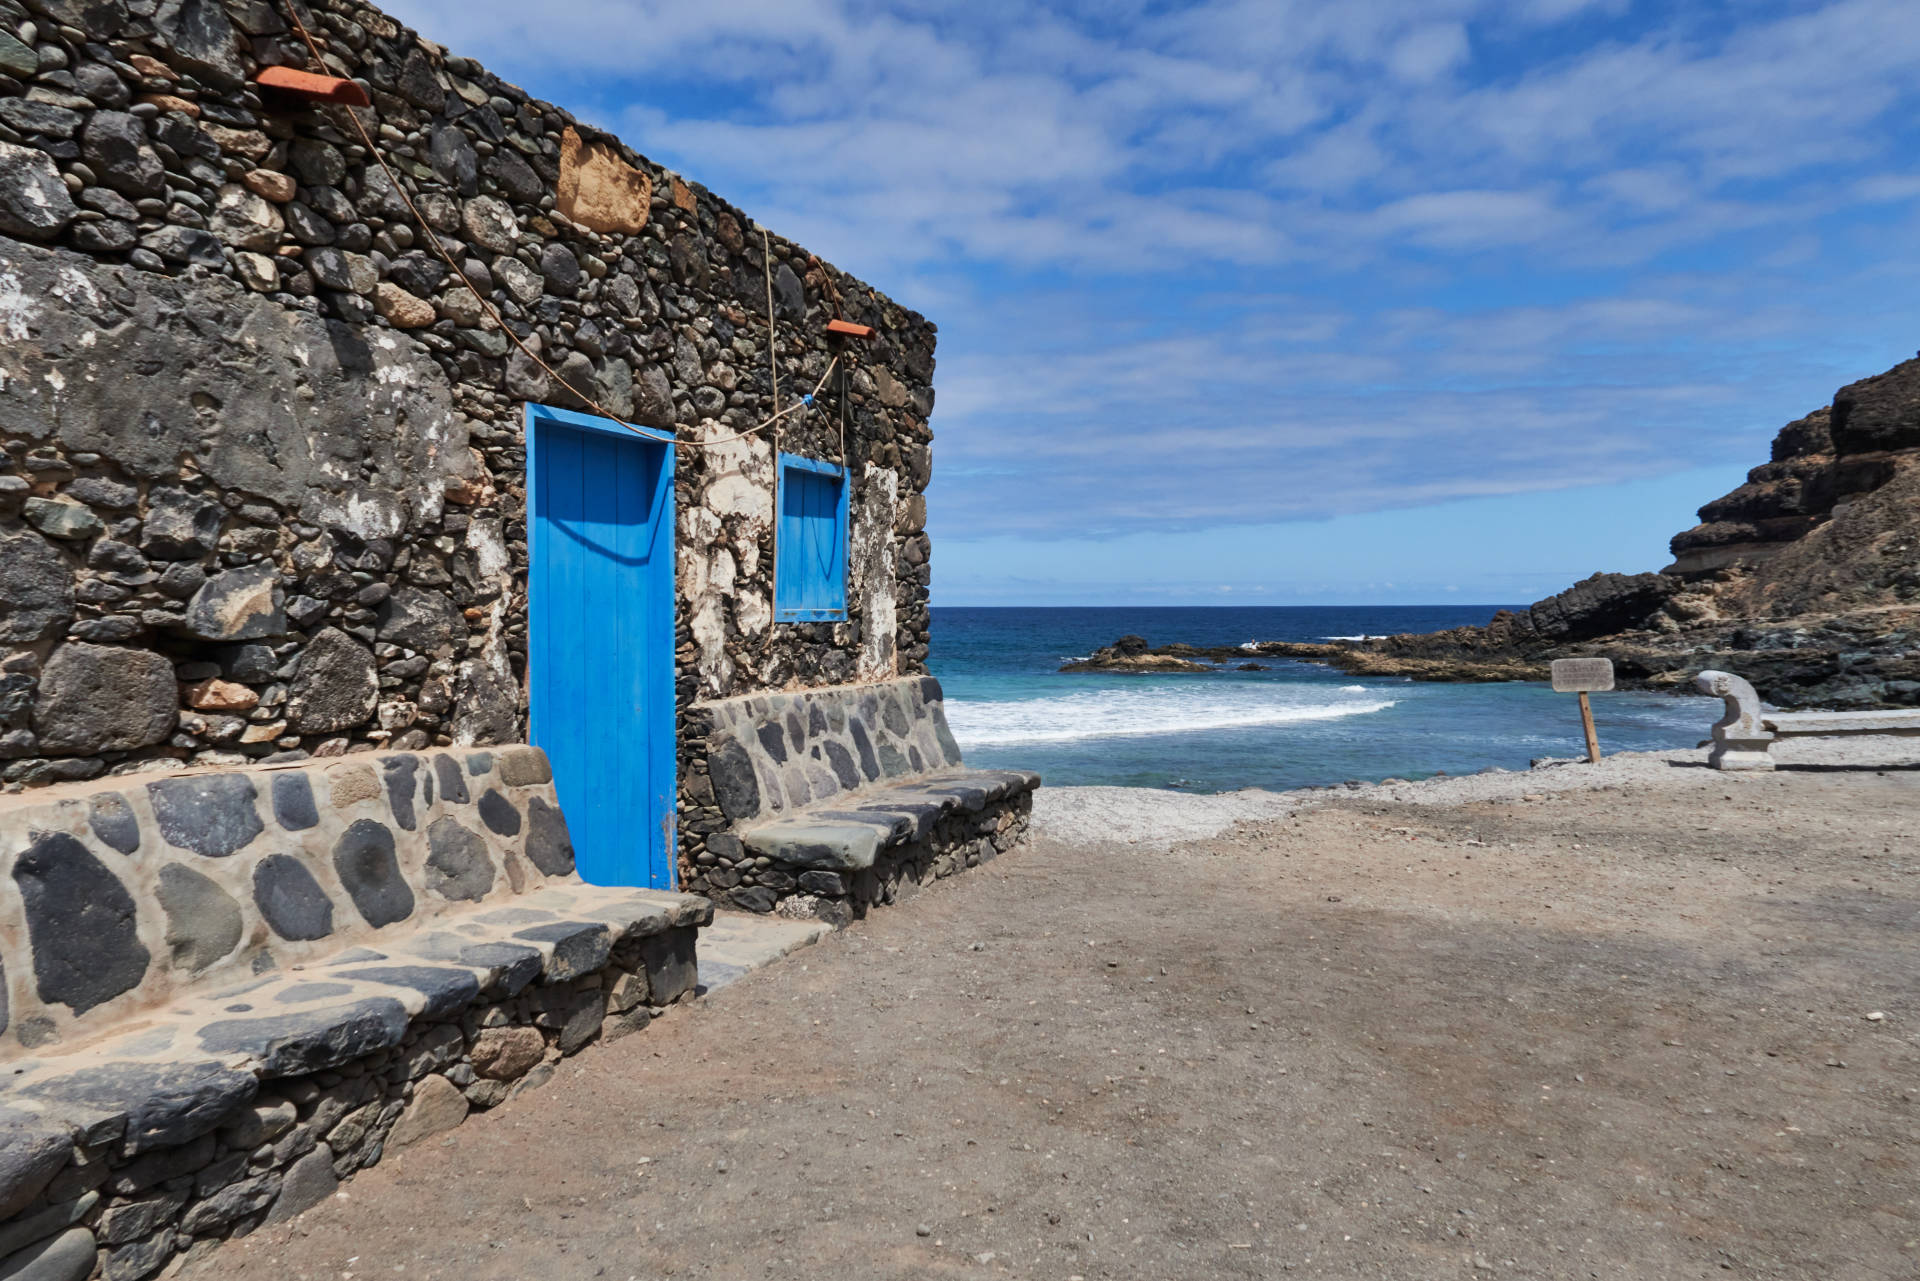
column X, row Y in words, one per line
column 1252, row 259
column 1429, row 52
column 1027, row 135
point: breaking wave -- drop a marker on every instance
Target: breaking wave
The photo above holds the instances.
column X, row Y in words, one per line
column 1115, row 713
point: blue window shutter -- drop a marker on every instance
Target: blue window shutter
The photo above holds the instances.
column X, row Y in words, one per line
column 810, row 569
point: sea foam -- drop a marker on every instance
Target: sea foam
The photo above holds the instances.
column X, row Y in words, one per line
column 1114, row 713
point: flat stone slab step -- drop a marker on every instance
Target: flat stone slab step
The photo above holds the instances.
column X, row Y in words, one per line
column 737, row 943
column 848, row 832
column 204, row 1054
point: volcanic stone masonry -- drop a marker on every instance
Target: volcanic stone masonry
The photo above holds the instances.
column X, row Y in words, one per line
column 128, row 895
column 263, row 489
column 228, row 990
column 828, row 801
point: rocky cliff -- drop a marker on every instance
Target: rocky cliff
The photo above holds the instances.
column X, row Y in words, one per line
column 1805, row 579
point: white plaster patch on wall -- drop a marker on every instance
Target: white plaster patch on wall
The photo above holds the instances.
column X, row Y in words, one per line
column 17, row 311
column 699, row 528
column 488, row 543
column 750, row 611
column 491, row 666
column 363, row 513
column 70, row 285
column 870, row 548
column 706, row 615
column 708, row 625
column 741, row 478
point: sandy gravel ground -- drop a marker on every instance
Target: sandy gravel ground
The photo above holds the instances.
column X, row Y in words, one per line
column 1611, row 1022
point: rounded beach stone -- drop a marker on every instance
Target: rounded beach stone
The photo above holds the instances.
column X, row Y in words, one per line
column 457, row 866
column 213, row 814
column 113, row 821
column 490, row 224
column 67, row 1257
column 400, row 773
column 364, row 858
column 498, row 813
column 203, row 921
column 453, row 784
column 525, row 767
column 292, row 902
column 293, row 806
column 82, row 924
column 734, row 783
column 548, row 844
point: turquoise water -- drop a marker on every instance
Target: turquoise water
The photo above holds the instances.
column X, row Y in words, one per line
column 1296, row 725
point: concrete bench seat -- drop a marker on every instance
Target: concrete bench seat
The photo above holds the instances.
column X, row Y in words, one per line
column 228, row 990
column 1744, row 737
column 847, row 837
column 825, row 801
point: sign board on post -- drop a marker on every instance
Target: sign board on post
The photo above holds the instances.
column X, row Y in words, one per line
column 1583, row 676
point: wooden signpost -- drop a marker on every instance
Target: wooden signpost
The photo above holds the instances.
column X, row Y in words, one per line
column 1583, row 676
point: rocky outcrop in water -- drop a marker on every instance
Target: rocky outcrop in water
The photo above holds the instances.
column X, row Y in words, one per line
column 1805, row 579
column 1131, row 654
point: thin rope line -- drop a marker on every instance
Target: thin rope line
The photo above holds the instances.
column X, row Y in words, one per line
column 313, row 48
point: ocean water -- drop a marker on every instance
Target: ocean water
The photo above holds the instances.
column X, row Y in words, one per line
column 1296, row 725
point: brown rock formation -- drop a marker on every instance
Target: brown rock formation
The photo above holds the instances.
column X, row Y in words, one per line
column 1805, row 579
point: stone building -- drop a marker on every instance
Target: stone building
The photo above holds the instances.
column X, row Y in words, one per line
column 265, row 492
column 306, row 532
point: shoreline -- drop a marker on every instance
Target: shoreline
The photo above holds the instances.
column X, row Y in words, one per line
column 1163, row 817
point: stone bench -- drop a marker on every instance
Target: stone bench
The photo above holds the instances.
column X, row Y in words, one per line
column 827, row 801
column 226, row 991
column 1744, row 737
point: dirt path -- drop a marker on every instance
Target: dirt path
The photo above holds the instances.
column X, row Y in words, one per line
column 1599, row 1035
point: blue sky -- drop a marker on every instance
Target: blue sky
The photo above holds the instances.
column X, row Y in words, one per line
column 1296, row 301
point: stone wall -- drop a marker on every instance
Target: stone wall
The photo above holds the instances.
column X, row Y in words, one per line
column 960, row 840
column 263, row 483
column 223, row 991
column 116, row 1166
column 123, row 898
column 762, row 755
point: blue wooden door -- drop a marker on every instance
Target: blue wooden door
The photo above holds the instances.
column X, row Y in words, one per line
column 600, row 639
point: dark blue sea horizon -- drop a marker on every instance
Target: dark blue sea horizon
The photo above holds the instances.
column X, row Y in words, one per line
column 1294, row 725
